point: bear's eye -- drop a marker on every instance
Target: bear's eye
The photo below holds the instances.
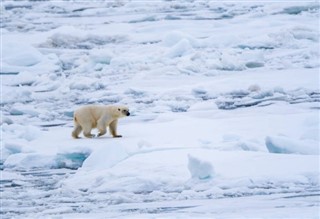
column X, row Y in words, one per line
column 119, row 109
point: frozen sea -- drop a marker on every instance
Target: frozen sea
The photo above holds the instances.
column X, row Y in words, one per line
column 224, row 99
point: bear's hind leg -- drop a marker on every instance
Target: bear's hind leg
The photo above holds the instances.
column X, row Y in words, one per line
column 76, row 131
column 87, row 132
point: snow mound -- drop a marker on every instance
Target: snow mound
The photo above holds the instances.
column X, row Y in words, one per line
column 72, row 160
column 200, row 169
column 229, row 61
column 178, row 68
column 175, row 37
column 13, row 95
column 105, row 157
column 85, row 83
column 29, row 161
column 256, row 97
column 23, row 78
column 284, row 145
column 80, row 40
column 179, row 43
column 182, row 48
column 28, row 132
column 101, row 56
column 20, row 54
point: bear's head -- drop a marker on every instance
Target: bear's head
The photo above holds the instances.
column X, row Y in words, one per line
column 122, row 111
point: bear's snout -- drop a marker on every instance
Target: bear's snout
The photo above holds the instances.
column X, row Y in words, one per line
column 128, row 114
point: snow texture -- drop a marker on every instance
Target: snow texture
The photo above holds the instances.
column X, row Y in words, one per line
column 224, row 102
column 200, row 169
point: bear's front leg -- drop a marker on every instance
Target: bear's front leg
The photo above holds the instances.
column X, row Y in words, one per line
column 76, row 131
column 117, row 136
column 113, row 129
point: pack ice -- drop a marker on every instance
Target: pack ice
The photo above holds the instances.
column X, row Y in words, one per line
column 224, row 99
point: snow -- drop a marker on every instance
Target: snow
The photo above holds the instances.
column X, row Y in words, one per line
column 284, row 145
column 20, row 54
column 200, row 169
column 28, row 161
column 224, row 101
column 104, row 158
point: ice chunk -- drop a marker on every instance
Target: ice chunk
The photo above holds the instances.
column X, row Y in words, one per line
column 26, row 132
column 230, row 62
column 16, row 147
column 16, row 112
column 230, row 137
column 100, row 56
column 253, row 64
column 311, row 134
column 294, row 10
column 72, row 38
column 180, row 49
column 106, row 157
column 254, row 88
column 24, row 78
column 284, row 145
column 145, row 19
column 305, row 33
column 21, row 109
column 86, row 83
column 6, row 120
column 13, row 95
column 20, row 54
column 200, row 169
column 72, row 160
column 32, row 160
column 29, row 161
column 175, row 37
column 30, row 133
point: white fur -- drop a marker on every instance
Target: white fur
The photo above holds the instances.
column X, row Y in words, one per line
column 89, row 117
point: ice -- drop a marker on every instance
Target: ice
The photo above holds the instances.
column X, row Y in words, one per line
column 6, row 120
column 281, row 144
column 28, row 161
column 224, row 100
column 85, row 84
column 106, row 157
column 68, row 37
column 242, row 98
column 21, row 109
column 31, row 160
column 72, row 160
column 20, row 54
column 294, row 10
column 182, row 48
column 101, row 56
column 24, row 78
column 200, row 169
column 13, row 95
column 26, row 132
column 175, row 37
column 14, row 147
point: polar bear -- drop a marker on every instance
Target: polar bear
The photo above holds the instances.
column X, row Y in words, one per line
column 95, row 116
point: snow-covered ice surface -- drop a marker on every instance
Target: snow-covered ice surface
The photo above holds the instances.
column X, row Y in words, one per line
column 224, row 98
